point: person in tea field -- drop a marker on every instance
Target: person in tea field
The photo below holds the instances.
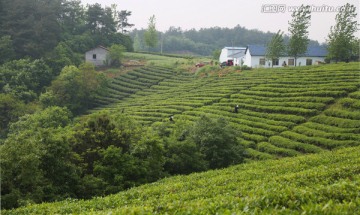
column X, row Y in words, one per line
column 236, row 109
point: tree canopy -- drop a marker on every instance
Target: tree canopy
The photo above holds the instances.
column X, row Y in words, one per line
column 298, row 28
column 342, row 44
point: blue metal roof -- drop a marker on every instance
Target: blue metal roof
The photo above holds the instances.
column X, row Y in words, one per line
column 312, row 51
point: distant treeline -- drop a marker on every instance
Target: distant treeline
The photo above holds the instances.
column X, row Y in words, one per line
column 204, row 41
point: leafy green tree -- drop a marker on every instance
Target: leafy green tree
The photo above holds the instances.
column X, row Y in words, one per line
column 72, row 18
column 276, row 47
column 124, row 21
column 36, row 160
column 151, row 35
column 216, row 54
column 216, row 140
column 116, row 53
column 341, row 38
column 182, row 156
column 298, row 28
column 137, row 43
column 11, row 109
column 32, row 26
column 76, row 88
column 115, row 153
column 7, row 50
column 62, row 56
column 24, row 78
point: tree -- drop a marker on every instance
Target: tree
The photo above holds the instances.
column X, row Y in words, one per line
column 216, row 140
column 32, row 25
column 7, row 50
column 24, row 78
column 276, row 47
column 36, row 160
column 11, row 109
column 299, row 31
column 151, row 35
column 137, row 43
column 75, row 88
column 341, row 38
column 124, row 21
column 216, row 54
column 116, row 53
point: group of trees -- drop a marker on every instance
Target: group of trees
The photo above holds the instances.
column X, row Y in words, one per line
column 342, row 44
column 42, row 47
column 203, row 41
column 35, row 27
column 49, row 157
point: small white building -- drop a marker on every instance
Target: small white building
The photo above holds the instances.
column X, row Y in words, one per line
column 98, row 56
column 255, row 57
column 236, row 54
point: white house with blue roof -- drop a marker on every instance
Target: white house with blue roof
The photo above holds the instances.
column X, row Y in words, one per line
column 255, row 57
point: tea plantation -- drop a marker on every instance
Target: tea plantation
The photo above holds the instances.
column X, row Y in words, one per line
column 282, row 112
column 323, row 183
column 308, row 116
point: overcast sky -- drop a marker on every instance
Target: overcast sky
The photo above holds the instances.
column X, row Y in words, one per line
column 264, row 15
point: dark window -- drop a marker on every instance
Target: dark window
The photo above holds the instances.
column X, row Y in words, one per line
column 262, row 61
column 291, row 62
column 308, row 62
column 275, row 62
column 94, row 56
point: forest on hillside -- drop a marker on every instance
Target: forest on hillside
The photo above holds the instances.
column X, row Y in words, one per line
column 205, row 40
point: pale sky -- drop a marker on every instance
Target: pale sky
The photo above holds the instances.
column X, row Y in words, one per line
column 264, row 15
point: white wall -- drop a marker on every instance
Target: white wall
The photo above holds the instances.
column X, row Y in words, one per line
column 223, row 56
column 100, row 56
column 248, row 59
column 253, row 61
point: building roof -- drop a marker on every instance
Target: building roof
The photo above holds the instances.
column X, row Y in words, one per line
column 101, row 47
column 312, row 51
column 235, row 48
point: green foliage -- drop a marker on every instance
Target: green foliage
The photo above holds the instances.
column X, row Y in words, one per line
column 11, row 109
column 298, row 28
column 216, row 54
column 151, row 35
column 25, row 23
column 217, row 141
column 24, row 78
column 124, row 21
column 116, row 54
column 7, row 49
column 275, row 47
column 342, row 44
column 35, row 160
column 325, row 183
column 115, row 154
column 75, row 88
column 62, row 56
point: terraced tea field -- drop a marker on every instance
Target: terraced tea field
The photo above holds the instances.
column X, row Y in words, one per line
column 283, row 112
column 323, row 183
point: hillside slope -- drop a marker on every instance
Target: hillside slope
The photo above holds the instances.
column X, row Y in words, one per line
column 283, row 112
column 324, row 183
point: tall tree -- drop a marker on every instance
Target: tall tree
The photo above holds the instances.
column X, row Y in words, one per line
column 299, row 31
column 124, row 21
column 276, row 47
column 7, row 50
column 151, row 35
column 72, row 18
column 341, row 38
column 116, row 54
column 32, row 25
